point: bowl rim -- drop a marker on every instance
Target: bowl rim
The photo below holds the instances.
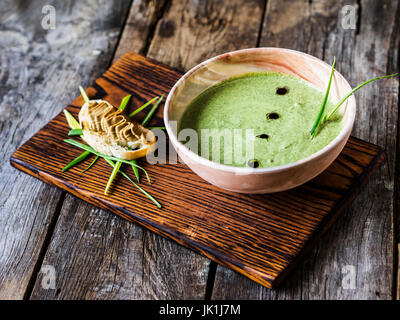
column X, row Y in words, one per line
column 343, row 134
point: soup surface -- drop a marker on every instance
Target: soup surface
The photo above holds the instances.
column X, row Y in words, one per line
column 258, row 119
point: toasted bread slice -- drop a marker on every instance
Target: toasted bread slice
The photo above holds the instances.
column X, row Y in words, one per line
column 111, row 132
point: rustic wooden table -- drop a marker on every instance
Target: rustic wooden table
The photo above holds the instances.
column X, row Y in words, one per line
column 96, row 255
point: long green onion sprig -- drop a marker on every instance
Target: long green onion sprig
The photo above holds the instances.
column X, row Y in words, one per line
column 136, row 171
column 141, row 189
column 336, row 107
column 317, row 122
column 124, row 103
column 90, row 165
column 83, row 94
column 321, row 119
column 152, row 111
column 135, row 112
column 78, row 159
column 73, row 124
column 75, row 132
column 112, row 176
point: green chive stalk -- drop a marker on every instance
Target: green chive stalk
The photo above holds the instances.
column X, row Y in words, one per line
column 83, row 94
column 72, row 122
column 112, row 176
column 78, row 159
column 151, row 112
column 142, row 107
column 136, row 185
column 124, row 103
column 90, row 165
column 317, row 122
column 326, row 118
column 75, row 132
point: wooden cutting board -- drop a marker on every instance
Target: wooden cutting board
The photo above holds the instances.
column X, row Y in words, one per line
column 260, row 236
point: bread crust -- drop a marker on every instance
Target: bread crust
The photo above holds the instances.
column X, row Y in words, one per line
column 111, row 132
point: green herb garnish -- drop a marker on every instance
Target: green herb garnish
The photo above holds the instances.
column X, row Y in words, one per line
column 142, row 107
column 75, row 132
column 136, row 171
column 145, row 121
column 317, row 122
column 321, row 119
column 73, row 124
column 90, row 165
column 151, row 112
column 78, row 159
column 326, row 118
column 137, row 186
column 112, row 176
column 83, row 94
column 124, row 103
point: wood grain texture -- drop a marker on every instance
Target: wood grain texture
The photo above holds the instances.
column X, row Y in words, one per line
column 139, row 27
column 149, row 249
column 362, row 239
column 33, row 90
column 261, row 236
column 192, row 31
column 98, row 257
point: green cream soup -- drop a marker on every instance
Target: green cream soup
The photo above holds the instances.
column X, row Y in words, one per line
column 268, row 115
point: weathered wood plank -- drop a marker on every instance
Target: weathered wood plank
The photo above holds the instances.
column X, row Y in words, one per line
column 144, row 265
column 192, row 31
column 139, row 26
column 99, row 256
column 33, row 90
column 361, row 241
column 375, row 52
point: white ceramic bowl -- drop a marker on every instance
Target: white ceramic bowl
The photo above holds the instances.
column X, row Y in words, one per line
column 259, row 180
